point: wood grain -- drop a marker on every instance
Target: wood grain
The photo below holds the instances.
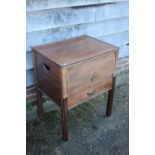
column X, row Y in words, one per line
column 64, row 82
column 73, row 71
column 40, row 109
column 54, row 69
column 50, row 89
column 90, row 72
column 82, row 96
column 74, row 50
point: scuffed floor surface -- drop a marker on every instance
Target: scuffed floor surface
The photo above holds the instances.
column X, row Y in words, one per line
column 90, row 132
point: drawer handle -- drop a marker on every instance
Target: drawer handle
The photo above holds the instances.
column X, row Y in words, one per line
column 91, row 93
column 46, row 67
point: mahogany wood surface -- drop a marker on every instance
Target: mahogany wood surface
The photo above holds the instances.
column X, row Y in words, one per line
column 89, row 92
column 64, row 120
column 74, row 50
column 38, row 93
column 110, row 98
column 73, row 71
column 90, row 72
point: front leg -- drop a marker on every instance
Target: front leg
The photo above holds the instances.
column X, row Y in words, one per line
column 110, row 98
column 64, row 111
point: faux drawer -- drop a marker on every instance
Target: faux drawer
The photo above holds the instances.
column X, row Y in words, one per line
column 89, row 72
column 90, row 92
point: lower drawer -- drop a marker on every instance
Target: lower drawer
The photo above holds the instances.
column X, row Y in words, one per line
column 89, row 92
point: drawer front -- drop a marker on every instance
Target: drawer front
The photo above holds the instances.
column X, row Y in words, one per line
column 90, row 72
column 90, row 92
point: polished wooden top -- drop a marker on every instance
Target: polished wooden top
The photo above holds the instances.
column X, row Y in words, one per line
column 74, row 50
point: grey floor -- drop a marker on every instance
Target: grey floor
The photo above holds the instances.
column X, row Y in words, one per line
column 90, row 132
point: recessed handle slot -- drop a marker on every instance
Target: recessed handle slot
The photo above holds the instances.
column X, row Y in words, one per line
column 93, row 77
column 46, row 67
column 91, row 93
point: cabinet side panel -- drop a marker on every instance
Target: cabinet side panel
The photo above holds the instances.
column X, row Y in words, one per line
column 48, row 76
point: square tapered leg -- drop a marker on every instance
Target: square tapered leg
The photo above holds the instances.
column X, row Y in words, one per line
column 64, row 119
column 110, row 98
column 39, row 104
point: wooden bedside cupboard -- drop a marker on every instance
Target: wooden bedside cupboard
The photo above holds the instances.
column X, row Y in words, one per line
column 73, row 71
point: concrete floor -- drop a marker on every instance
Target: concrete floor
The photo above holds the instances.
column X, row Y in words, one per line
column 90, row 132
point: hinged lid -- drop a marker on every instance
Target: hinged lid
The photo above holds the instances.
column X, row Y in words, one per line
column 74, row 50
